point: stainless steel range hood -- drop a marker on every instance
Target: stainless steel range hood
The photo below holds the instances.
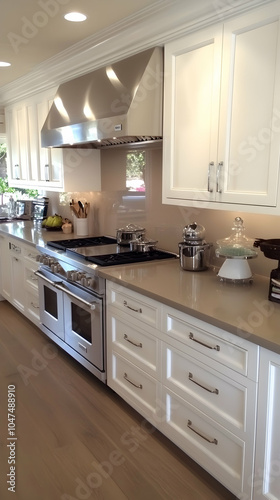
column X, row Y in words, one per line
column 114, row 105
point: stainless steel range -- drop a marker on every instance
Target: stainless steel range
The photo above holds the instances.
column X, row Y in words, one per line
column 72, row 295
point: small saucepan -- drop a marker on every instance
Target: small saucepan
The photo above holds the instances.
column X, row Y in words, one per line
column 140, row 245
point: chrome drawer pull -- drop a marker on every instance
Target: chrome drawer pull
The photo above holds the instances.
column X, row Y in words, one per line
column 131, row 308
column 212, row 441
column 191, row 337
column 131, row 341
column 213, row 391
column 34, row 305
column 132, row 383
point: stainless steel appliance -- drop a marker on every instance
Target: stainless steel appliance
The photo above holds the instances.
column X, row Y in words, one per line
column 32, row 209
column 194, row 251
column 72, row 295
column 123, row 101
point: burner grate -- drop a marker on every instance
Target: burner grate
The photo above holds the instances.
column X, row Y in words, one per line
column 129, row 257
column 82, row 242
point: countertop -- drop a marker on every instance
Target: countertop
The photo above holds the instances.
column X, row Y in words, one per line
column 243, row 310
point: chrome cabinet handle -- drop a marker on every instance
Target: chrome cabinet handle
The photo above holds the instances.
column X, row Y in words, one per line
column 211, row 164
column 139, row 386
column 34, row 305
column 131, row 341
column 131, row 308
column 216, row 347
column 213, row 391
column 212, row 441
column 218, row 189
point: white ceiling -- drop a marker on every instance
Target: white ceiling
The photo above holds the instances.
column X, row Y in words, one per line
column 32, row 31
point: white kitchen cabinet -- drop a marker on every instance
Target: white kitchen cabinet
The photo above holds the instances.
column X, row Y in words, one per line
column 196, row 383
column 19, row 284
column 133, row 350
column 267, row 466
column 52, row 169
column 32, row 309
column 5, row 268
column 221, row 120
column 29, row 165
column 210, row 394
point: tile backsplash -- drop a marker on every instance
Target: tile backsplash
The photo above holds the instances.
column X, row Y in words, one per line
column 114, row 207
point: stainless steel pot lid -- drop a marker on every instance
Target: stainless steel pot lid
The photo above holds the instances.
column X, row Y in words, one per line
column 193, row 232
column 131, row 228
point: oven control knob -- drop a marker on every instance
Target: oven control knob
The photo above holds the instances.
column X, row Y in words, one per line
column 92, row 283
column 74, row 276
column 85, row 281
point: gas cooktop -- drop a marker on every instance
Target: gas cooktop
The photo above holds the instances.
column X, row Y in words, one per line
column 82, row 242
column 104, row 251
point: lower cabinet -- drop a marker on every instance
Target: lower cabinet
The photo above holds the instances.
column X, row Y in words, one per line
column 196, row 383
column 267, row 467
column 18, row 281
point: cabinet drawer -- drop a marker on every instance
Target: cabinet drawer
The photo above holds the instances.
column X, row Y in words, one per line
column 139, row 389
column 134, row 304
column 31, row 279
column 30, row 255
column 217, row 450
column 225, row 400
column 139, row 347
column 32, row 309
column 213, row 343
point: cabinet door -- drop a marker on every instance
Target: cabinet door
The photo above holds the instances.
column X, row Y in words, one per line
column 191, row 108
column 5, row 268
column 267, row 466
column 249, row 120
column 18, row 150
column 51, row 167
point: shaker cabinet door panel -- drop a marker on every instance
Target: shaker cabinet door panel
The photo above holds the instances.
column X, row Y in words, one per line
column 192, row 87
column 267, row 464
column 221, row 143
column 248, row 145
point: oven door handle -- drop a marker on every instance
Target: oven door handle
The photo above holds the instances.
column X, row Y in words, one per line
column 41, row 275
column 73, row 295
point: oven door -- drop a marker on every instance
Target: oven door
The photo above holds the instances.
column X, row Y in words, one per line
column 83, row 323
column 51, row 302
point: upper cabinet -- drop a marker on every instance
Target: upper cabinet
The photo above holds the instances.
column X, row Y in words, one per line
column 29, row 165
column 52, row 169
column 222, row 116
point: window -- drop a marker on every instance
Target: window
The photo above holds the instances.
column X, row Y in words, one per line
column 135, row 171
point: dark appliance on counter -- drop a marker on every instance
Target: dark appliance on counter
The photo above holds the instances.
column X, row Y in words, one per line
column 72, row 295
column 271, row 250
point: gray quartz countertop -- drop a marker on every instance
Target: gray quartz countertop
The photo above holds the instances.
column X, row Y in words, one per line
column 243, row 310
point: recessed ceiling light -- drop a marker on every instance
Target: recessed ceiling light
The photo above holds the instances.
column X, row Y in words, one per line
column 75, row 17
column 3, row 64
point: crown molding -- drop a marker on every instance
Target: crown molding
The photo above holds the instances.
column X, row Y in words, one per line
column 155, row 25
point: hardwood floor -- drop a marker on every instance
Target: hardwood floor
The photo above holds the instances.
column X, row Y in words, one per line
column 76, row 439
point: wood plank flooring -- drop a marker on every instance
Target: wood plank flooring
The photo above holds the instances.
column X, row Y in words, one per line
column 77, row 439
